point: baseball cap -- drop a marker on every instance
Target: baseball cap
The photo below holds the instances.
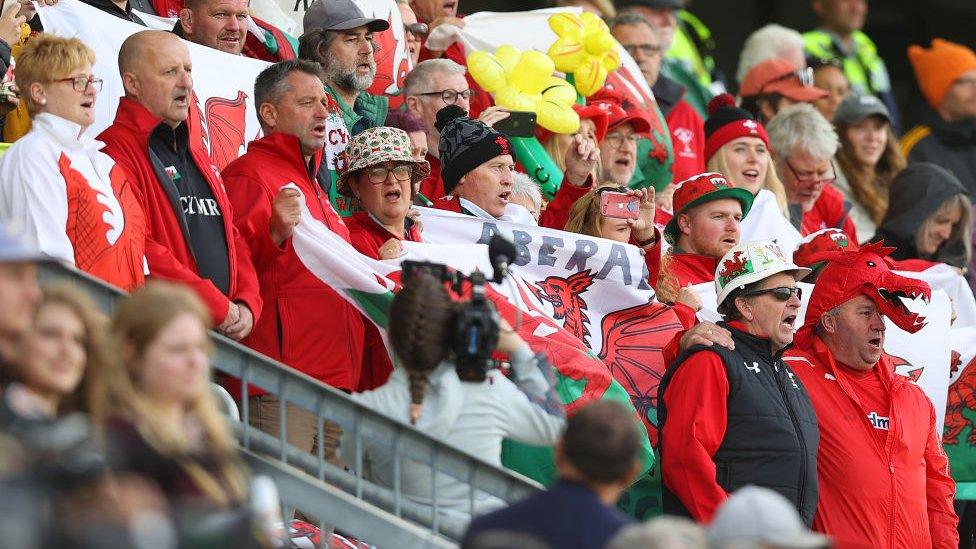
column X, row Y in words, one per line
column 782, row 77
column 751, row 262
column 856, row 107
column 699, row 189
column 753, row 514
column 617, row 115
column 336, row 15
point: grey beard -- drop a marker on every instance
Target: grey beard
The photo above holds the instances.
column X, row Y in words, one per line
column 349, row 80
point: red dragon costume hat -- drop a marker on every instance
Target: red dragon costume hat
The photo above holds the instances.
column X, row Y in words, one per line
column 866, row 271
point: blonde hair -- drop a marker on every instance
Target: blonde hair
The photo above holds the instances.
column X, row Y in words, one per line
column 771, row 183
column 45, row 58
column 137, row 322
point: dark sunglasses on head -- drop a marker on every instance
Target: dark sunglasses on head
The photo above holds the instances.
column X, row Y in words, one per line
column 782, row 293
column 417, row 28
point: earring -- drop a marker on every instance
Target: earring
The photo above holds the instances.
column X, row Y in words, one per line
column 43, row 101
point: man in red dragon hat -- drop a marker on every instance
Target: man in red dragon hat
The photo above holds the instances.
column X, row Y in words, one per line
column 884, row 478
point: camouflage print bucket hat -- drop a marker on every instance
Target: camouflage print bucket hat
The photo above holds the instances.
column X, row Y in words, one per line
column 378, row 146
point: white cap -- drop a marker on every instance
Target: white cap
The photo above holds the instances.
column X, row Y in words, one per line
column 759, row 515
column 752, row 262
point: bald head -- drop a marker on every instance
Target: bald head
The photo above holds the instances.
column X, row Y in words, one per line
column 155, row 68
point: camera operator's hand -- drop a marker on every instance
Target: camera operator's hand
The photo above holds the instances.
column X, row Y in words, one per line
column 508, row 339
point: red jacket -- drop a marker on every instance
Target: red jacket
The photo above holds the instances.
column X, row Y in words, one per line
column 895, row 495
column 690, row 268
column 367, row 235
column 167, row 251
column 829, row 211
column 688, row 139
column 432, row 186
column 310, row 327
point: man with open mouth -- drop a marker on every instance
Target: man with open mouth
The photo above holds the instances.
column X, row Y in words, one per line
column 883, row 475
column 733, row 417
column 708, row 210
column 339, row 37
column 191, row 236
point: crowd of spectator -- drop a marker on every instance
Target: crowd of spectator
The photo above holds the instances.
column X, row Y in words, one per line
column 772, row 433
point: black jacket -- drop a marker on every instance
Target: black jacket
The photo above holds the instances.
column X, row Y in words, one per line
column 951, row 145
column 771, row 436
column 915, row 194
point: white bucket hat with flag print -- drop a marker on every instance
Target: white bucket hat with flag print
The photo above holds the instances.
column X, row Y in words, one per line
column 751, row 262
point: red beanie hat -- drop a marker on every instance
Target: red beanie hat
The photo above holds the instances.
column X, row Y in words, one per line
column 727, row 122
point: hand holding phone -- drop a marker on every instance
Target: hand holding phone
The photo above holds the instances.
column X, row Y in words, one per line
column 619, row 205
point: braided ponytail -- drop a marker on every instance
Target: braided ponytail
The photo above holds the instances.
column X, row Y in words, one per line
column 420, row 319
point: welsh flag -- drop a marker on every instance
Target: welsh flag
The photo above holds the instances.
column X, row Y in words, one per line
column 531, row 304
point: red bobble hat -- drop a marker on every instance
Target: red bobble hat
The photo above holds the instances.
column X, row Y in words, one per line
column 727, row 122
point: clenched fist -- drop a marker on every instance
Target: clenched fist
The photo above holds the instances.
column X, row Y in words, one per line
column 286, row 212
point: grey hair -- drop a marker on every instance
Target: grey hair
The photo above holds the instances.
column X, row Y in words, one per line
column 802, row 126
column 523, row 185
column 418, row 78
column 630, row 18
column 312, row 43
column 766, row 43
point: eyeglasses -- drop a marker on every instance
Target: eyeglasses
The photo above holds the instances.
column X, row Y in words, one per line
column 81, row 83
column 805, row 76
column 650, row 50
column 418, row 29
column 781, row 293
column 450, row 97
column 616, row 139
column 810, row 182
column 378, row 174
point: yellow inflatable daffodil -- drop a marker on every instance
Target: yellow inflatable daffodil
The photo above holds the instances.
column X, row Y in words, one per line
column 524, row 81
column 585, row 49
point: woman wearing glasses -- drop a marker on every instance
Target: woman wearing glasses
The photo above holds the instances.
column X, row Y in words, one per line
column 729, row 418
column 72, row 198
column 381, row 176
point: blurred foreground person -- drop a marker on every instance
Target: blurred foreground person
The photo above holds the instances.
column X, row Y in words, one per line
column 596, row 460
column 759, row 518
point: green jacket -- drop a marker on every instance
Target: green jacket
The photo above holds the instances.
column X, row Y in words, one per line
column 655, row 155
column 369, row 111
column 692, row 47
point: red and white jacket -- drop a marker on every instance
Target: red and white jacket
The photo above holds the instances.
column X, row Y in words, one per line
column 74, row 201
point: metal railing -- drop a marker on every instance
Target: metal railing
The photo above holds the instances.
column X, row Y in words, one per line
column 382, row 515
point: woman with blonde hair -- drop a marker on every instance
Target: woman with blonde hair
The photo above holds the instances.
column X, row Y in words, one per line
column 56, row 360
column 869, row 159
column 72, row 198
column 736, row 146
column 160, row 418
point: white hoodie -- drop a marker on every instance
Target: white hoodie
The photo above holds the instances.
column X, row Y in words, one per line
column 473, row 417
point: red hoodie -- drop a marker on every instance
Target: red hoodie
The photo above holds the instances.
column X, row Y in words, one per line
column 829, row 211
column 892, row 490
column 688, row 139
column 308, row 326
column 167, row 251
column 691, row 268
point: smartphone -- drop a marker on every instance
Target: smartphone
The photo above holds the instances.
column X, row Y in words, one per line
column 619, row 205
column 518, row 124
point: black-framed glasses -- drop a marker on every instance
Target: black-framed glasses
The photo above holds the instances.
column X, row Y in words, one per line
column 81, row 83
column 811, row 182
column 781, row 293
column 649, row 50
column 378, row 174
column 419, row 29
column 805, row 76
column 450, row 97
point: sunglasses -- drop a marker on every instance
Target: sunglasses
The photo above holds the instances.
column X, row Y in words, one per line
column 418, row 29
column 782, row 293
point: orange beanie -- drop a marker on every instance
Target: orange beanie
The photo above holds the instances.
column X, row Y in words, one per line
column 938, row 67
